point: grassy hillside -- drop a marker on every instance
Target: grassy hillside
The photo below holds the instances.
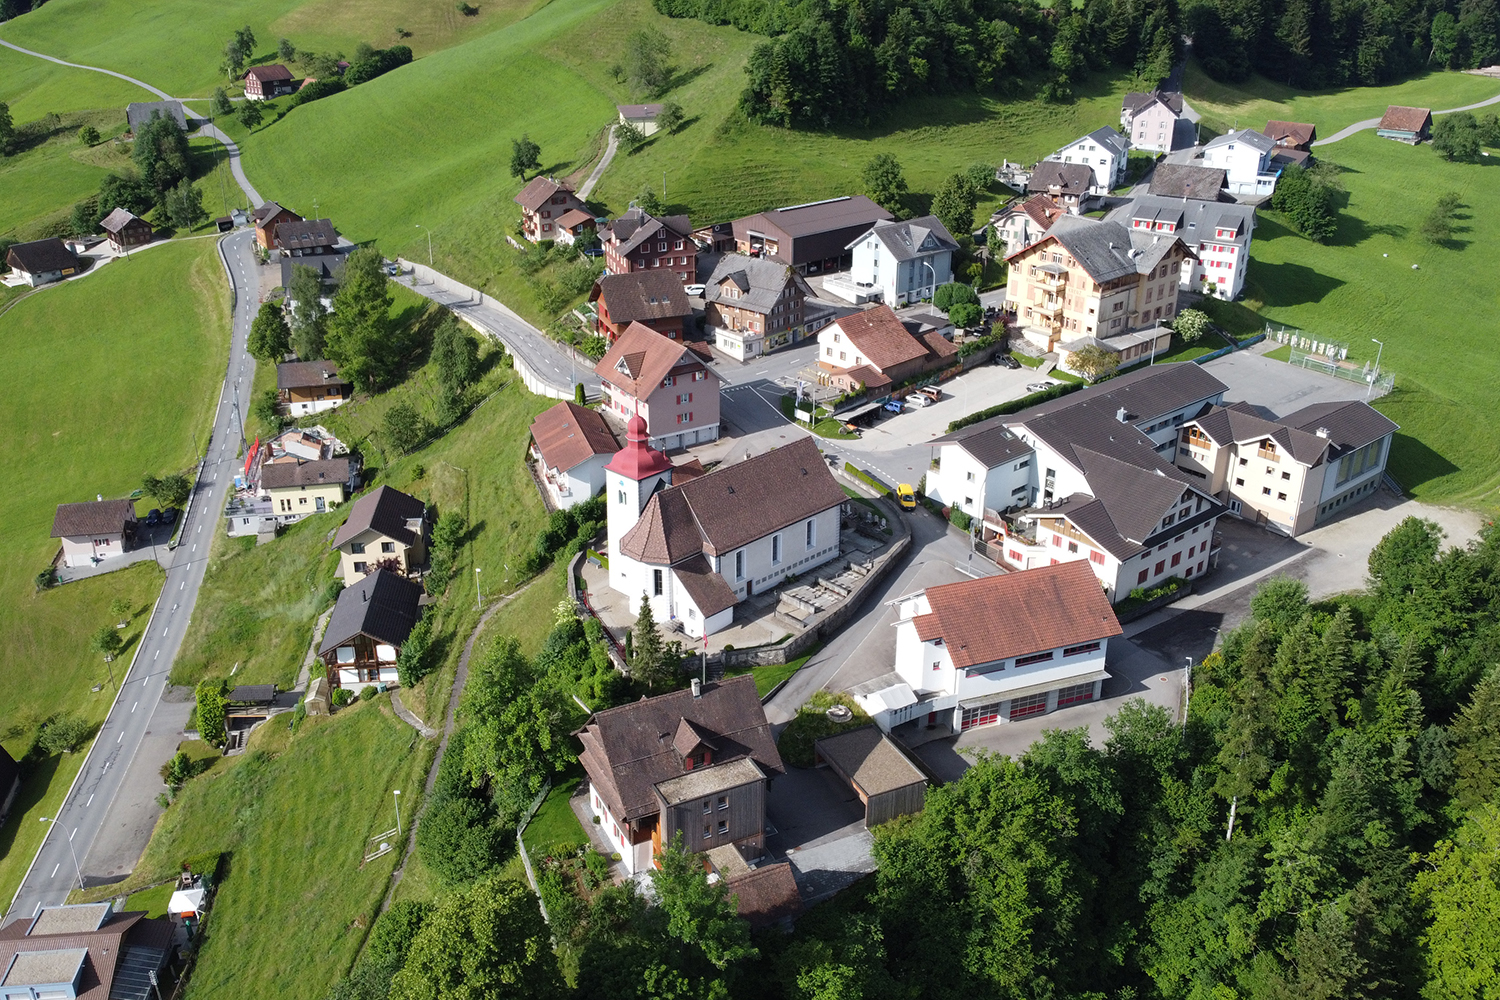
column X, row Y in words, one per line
column 42, row 183
column 32, row 87
column 1433, row 319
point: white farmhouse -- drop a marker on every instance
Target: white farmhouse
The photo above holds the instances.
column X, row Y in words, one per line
column 1105, row 151
column 997, row 649
column 696, row 549
column 1245, row 157
column 904, row 262
column 571, row 444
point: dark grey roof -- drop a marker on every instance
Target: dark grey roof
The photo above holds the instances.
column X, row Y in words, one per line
column 306, row 234
column 1107, row 250
column 138, row 113
column 386, row 511
column 1350, row 425
column 96, row 517
column 814, row 231
column 990, row 446
column 382, row 605
column 117, row 220
column 1181, row 180
column 1257, row 140
column 1145, row 393
column 759, row 279
column 1136, row 100
column 636, row 226
column 1107, row 137
column 642, row 296
column 41, row 256
column 269, row 210
column 329, row 266
column 300, row 374
column 1070, row 178
column 1196, row 221
column 254, row 694
column 912, row 238
column 323, row 472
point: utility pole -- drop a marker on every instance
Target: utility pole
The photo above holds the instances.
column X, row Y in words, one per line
column 1370, row 385
column 396, row 794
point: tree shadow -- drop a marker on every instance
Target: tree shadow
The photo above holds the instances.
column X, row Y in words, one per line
column 36, row 776
column 1414, row 463
column 681, row 78
column 1290, row 284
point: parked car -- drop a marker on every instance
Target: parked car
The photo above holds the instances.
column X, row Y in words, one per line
column 393, row 269
column 593, row 252
column 169, row 516
column 694, row 289
column 917, row 399
column 906, row 496
column 893, row 406
column 1006, row 361
column 1039, row 386
column 932, row 392
column 153, row 518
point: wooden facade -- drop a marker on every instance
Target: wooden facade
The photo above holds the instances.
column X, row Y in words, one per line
column 733, row 815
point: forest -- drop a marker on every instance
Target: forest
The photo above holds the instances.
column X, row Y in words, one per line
column 1323, row 825
column 829, row 63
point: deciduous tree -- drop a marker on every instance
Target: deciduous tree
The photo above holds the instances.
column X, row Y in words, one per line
column 270, row 338
column 700, row 913
column 184, row 205
column 360, row 338
column 954, row 205
column 7, row 129
column 1093, row 362
column 884, row 183
column 212, row 710
column 524, row 155
column 308, row 315
column 1191, row 325
column 647, row 66
column 669, row 119
column 88, row 135
column 250, row 114
column 220, row 104
column 405, row 428
column 106, row 642
column 1456, row 136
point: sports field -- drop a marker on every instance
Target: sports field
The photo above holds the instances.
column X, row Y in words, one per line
column 86, row 413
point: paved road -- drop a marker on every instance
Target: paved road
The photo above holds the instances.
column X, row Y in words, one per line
column 108, row 72
column 598, row 171
column 545, row 356
column 1370, row 123
column 234, row 164
column 111, row 809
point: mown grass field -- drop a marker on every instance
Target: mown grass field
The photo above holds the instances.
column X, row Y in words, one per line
column 1435, row 319
column 42, row 183
column 85, row 414
column 293, row 816
column 177, row 45
column 32, row 87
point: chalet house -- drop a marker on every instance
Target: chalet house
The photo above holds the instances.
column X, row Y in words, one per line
column 752, row 306
column 1217, row 233
column 306, row 387
column 996, row 649
column 695, row 763
column 576, row 225
column 1105, row 151
column 1092, row 282
column 369, row 624
column 904, row 261
column 138, row 113
column 86, row 951
column 1025, row 222
column 718, row 237
column 571, row 444
column 10, row 783
column 305, row 237
column 385, row 524
column 41, row 262
column 329, row 267
column 1067, row 185
column 874, row 348
column 95, row 531
column 639, row 241
column 262, row 83
column 694, row 549
column 813, row 238
column 642, row 116
column 1245, row 157
column 651, row 298
column 125, row 230
column 1182, row 180
column 1294, row 141
column 1292, row 473
column 1089, row 477
column 1150, row 121
column 1410, row 125
column 298, row 488
column 544, row 202
column 667, row 385
column 266, row 218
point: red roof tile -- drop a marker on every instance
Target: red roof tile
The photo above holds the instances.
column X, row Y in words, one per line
column 568, row 435
column 881, row 337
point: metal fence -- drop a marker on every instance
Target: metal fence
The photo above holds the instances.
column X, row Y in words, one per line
column 1331, row 358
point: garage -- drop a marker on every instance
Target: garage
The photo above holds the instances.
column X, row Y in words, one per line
column 886, row 781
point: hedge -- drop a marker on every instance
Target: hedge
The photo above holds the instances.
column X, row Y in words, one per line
column 1016, row 405
column 866, row 478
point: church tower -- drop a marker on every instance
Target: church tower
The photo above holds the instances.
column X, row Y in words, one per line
column 630, row 478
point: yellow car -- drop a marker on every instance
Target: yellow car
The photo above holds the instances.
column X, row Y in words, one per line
column 907, row 496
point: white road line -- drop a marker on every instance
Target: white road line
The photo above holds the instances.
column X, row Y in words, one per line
column 158, row 652
column 117, row 740
column 183, row 585
column 54, row 870
column 134, row 707
column 75, row 829
column 89, row 802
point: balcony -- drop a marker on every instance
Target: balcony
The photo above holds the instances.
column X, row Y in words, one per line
column 1269, row 456
column 1010, row 526
column 1051, row 281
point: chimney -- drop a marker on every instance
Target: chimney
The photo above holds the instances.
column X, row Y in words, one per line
column 697, row 688
column 1120, row 414
column 1322, row 432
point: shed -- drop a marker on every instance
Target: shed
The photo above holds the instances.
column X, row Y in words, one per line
column 1410, row 125
column 885, row 780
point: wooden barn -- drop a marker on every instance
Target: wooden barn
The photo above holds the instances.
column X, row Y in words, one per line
column 886, row 781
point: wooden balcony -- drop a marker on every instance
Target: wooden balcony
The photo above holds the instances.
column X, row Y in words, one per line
column 1269, row 456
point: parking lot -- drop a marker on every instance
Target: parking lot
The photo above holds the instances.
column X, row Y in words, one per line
column 1277, row 386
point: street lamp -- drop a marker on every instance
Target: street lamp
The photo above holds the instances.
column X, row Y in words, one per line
column 478, row 592
column 396, row 794
column 928, row 264
column 1187, row 689
column 429, row 243
column 1371, row 383
column 76, row 868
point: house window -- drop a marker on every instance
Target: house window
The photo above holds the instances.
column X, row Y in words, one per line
column 1281, row 496
column 812, row 532
column 775, row 550
column 656, row 582
column 723, row 802
column 1286, row 475
column 739, row 565
column 388, row 546
column 1176, row 558
column 1096, row 557
column 361, row 567
column 969, row 476
column 707, row 832
column 357, row 548
column 1161, row 565
column 1141, row 578
column 622, row 496
column 1023, row 661
column 1072, row 546
column 723, row 827
column 1239, row 482
column 707, row 807
column 1079, row 650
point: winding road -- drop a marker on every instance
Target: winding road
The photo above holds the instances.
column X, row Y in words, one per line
column 107, row 72
column 1370, row 123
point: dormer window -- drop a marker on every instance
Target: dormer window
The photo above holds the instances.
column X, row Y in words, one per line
column 696, row 760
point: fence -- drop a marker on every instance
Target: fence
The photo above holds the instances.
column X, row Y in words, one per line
column 1331, row 358
column 526, row 817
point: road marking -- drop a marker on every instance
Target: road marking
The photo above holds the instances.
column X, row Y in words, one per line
column 54, row 870
column 75, row 829
column 134, row 707
column 89, row 802
column 193, row 549
column 117, row 739
column 158, row 652
column 183, row 585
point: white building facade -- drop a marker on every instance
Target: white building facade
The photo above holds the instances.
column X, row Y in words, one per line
column 1105, row 151
column 904, row 262
column 1245, row 157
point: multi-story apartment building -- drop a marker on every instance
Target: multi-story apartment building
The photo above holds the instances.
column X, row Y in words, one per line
column 753, row 305
column 1218, row 234
column 1292, row 473
column 1092, row 282
column 1245, row 157
column 639, row 241
column 1105, row 150
column 1150, row 120
column 664, row 383
column 904, row 261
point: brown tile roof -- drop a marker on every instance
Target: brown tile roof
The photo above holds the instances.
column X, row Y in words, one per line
column 568, row 435
column 1400, row 119
column 687, row 471
column 707, row 588
column 640, row 358
column 269, row 211
column 871, row 760
column 305, row 234
column 284, row 475
column 871, row 378
column 1070, row 178
column 41, row 256
column 573, row 217
column 766, row 895
column 628, row 750
column 120, row 934
column 96, row 517
column 880, row 337
column 1181, row 180
column 301, row 374
column 1291, row 133
column 386, row 511
column 642, row 296
column 666, row 534
column 1042, row 210
column 937, row 345
column 1013, row 614
column 269, row 74
column 535, row 194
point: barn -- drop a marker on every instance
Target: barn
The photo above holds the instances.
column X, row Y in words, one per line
column 883, row 777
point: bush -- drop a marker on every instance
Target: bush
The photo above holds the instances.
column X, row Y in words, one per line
column 954, row 293
column 342, row 697
column 413, row 663
column 597, row 867
column 368, row 692
column 62, row 734
column 959, row 519
column 866, row 478
column 565, row 911
column 812, row 724
column 317, row 90
column 391, row 937
column 1191, row 325
column 211, row 710
column 460, row 841
column 377, row 63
